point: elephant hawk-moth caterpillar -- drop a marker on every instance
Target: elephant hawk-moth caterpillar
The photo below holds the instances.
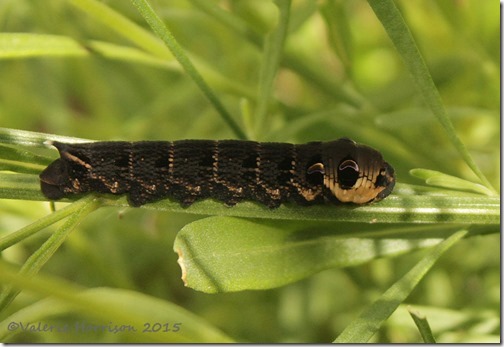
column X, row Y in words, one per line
column 230, row 171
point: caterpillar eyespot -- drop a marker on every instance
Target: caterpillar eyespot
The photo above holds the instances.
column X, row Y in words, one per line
column 349, row 164
column 317, row 167
column 348, row 173
column 229, row 171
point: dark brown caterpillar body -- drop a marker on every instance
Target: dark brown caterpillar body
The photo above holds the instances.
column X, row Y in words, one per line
column 229, row 171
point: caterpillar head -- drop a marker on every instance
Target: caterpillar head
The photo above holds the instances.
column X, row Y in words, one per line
column 354, row 173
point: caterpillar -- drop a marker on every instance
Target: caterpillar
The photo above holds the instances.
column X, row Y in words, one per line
column 230, row 171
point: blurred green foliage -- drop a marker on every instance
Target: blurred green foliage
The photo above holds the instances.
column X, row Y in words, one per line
column 338, row 75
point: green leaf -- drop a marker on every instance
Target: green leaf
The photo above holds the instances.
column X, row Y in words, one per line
column 222, row 254
column 17, row 236
column 447, row 323
column 272, row 54
column 37, row 259
column 439, row 179
column 368, row 323
column 100, row 12
column 401, row 37
column 13, row 159
column 150, row 43
column 32, row 138
column 164, row 34
column 339, row 31
column 394, row 209
column 291, row 58
column 410, row 207
column 23, row 45
column 20, row 187
column 408, row 203
column 108, row 307
column 423, row 326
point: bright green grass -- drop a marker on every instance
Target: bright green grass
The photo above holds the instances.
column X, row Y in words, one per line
column 417, row 80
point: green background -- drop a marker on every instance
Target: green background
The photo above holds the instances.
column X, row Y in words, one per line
column 331, row 72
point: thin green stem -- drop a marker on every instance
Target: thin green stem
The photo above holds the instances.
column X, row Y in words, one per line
column 423, row 326
column 400, row 35
column 271, row 60
column 35, row 262
column 290, row 58
column 368, row 323
column 164, row 34
column 29, row 230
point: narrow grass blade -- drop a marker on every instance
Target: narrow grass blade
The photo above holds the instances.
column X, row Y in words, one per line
column 135, row 33
column 272, row 54
column 35, row 262
column 150, row 43
column 411, row 207
column 24, row 45
column 32, row 138
column 17, row 160
column 157, row 53
column 234, row 23
column 339, row 31
column 368, row 323
column 423, row 326
column 290, row 58
column 164, row 34
column 401, row 37
column 113, row 307
column 19, row 235
column 395, row 209
column 439, row 179
column 409, row 203
column 20, row 187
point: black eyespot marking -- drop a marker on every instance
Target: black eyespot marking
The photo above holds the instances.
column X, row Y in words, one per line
column 348, row 164
column 229, row 171
column 381, row 180
column 315, row 174
column 316, row 168
column 348, row 173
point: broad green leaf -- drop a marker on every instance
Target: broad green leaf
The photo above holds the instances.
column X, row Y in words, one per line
column 222, row 254
column 439, row 179
column 109, row 307
column 368, row 323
